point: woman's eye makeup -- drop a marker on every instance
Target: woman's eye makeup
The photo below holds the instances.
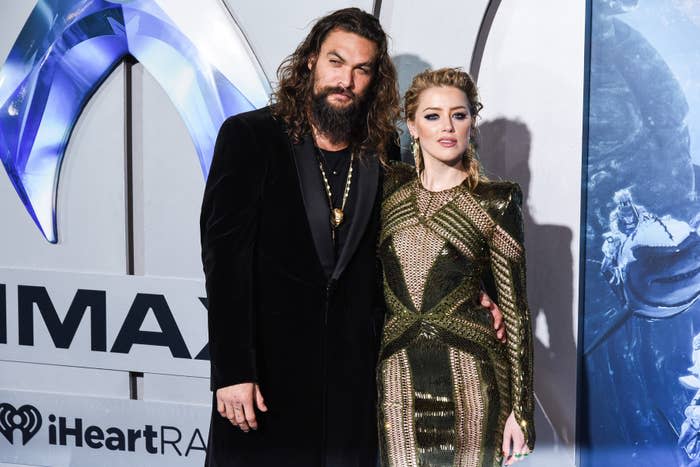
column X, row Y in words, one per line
column 456, row 116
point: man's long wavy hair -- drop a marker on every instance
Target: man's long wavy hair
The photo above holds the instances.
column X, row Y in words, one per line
column 292, row 98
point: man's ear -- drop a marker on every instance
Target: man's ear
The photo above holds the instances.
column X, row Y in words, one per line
column 311, row 61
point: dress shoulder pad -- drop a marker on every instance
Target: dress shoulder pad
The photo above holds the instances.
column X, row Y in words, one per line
column 502, row 200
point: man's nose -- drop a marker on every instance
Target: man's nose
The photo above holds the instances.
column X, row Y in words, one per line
column 346, row 78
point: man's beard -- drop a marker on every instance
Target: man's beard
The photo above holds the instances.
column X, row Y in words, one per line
column 338, row 124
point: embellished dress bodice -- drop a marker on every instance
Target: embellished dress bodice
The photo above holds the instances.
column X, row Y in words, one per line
column 446, row 384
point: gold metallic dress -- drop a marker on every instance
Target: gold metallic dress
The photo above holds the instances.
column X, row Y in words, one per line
column 446, row 384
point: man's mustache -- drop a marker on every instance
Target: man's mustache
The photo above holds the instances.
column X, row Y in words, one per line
column 328, row 90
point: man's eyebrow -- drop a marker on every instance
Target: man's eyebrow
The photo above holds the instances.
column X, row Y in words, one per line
column 339, row 57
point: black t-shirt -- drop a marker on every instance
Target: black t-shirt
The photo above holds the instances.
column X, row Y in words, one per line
column 336, row 165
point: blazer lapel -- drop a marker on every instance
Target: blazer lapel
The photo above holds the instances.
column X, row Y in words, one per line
column 367, row 181
column 315, row 202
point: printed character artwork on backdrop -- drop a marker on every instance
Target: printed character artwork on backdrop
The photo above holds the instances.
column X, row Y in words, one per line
column 642, row 245
column 650, row 262
column 689, row 439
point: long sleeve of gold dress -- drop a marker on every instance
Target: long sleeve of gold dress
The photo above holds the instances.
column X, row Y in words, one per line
column 446, row 384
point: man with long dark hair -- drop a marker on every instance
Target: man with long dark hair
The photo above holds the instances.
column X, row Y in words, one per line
column 289, row 231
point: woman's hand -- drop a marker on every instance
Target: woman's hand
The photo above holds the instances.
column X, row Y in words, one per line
column 513, row 435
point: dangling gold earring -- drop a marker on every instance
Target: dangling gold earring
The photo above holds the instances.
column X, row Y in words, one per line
column 417, row 157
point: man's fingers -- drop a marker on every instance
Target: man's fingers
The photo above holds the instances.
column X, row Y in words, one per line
column 249, row 414
column 228, row 411
column 238, row 415
column 485, row 301
column 259, row 400
column 498, row 323
column 236, row 403
column 501, row 334
column 234, row 412
column 497, row 320
column 239, row 418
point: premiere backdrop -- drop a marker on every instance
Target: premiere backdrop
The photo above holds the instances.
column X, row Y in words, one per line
column 108, row 110
column 641, row 319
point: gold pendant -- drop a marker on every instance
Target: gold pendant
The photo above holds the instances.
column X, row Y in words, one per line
column 337, row 217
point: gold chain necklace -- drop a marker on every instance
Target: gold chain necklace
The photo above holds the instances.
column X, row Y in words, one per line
column 337, row 214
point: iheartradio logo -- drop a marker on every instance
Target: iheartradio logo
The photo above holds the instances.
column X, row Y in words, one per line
column 76, row 432
column 26, row 419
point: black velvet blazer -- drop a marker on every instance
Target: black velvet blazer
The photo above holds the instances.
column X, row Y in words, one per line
column 275, row 317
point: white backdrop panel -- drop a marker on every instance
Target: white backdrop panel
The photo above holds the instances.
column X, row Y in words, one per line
column 432, row 35
column 164, row 317
column 19, row 376
column 531, row 83
column 168, row 186
column 275, row 28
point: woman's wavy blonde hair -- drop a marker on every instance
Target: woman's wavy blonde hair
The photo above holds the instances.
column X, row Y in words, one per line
column 455, row 78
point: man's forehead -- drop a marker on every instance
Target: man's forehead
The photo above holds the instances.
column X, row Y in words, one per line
column 349, row 45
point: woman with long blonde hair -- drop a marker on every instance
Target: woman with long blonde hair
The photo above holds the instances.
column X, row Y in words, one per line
column 450, row 393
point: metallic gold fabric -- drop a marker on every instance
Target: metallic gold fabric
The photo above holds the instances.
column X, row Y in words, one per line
column 398, row 430
column 446, row 384
column 470, row 402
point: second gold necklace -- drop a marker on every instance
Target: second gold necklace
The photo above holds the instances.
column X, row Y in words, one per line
column 337, row 214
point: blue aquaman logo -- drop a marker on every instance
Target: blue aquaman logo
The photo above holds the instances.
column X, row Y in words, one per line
column 26, row 419
column 67, row 49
